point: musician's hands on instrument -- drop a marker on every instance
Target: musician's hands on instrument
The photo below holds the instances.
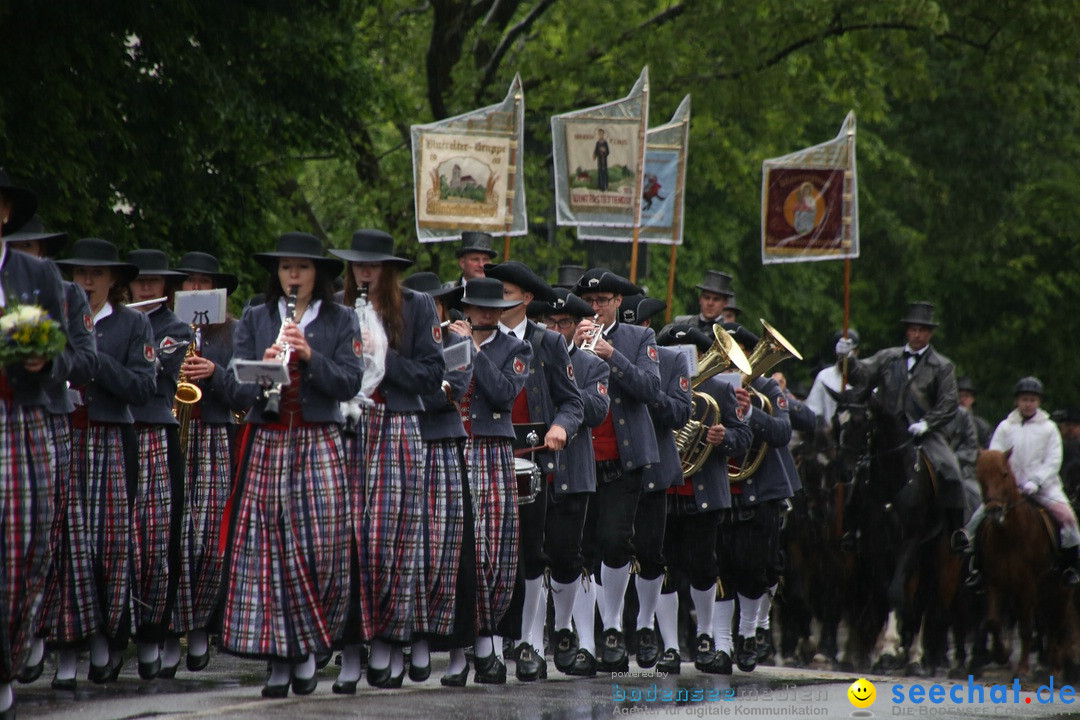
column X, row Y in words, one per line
column 555, row 439
column 460, row 327
column 583, row 330
column 198, row 368
column 299, row 344
column 742, row 397
column 602, row 349
column 716, row 434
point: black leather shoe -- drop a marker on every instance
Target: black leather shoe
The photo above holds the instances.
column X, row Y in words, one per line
column 960, row 542
column 584, row 664
column 30, row 673
column 765, row 649
column 383, row 680
column 746, row 653
column 721, row 664
column 344, row 687
column 566, row 646
column 322, row 659
column 275, row 692
column 168, row 672
column 613, row 657
column 150, row 670
column 670, row 663
column 647, row 650
column 455, row 679
column 419, row 673
column 490, row 670
column 100, row 674
column 305, row 686
column 704, row 652
column 195, row 663
column 530, row 665
column 68, row 684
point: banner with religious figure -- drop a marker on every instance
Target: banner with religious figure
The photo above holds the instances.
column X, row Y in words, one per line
column 810, row 202
column 468, row 172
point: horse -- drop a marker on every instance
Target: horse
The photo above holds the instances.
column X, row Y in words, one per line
column 1016, row 548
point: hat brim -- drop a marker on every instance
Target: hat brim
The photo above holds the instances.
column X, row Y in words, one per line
column 163, row 273
column 486, row 251
column 226, row 280
column 127, row 271
column 715, row 291
column 270, row 260
column 360, row 256
column 488, row 302
column 23, row 206
column 51, row 243
column 919, row 321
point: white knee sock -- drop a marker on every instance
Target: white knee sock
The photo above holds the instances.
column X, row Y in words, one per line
column 37, row 651
column 723, row 615
column 457, row 661
column 563, row 596
column 748, row 614
column 170, row 652
column 67, row 663
column 536, row 632
column 198, row 643
column 497, row 645
column 397, row 660
column 379, row 658
column 584, row 617
column 612, row 595
column 148, row 652
column 667, row 620
column 648, row 594
column 421, row 655
column 763, row 617
column 350, row 664
column 484, row 646
column 99, row 650
column 305, row 669
column 534, row 593
column 280, row 672
column 7, row 697
column 703, row 608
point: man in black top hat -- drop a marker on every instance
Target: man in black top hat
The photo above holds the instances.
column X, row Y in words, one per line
column 716, row 294
column 568, row 276
column 917, row 385
column 476, row 250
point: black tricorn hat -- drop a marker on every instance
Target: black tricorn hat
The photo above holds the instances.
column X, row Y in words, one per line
column 716, row 282
column 153, row 262
column 206, row 264
column 920, row 313
column 520, row 274
column 299, row 245
column 567, row 303
column 486, row 292
column 23, row 204
column 683, row 334
column 741, row 335
column 603, row 280
column 371, row 246
column 95, row 252
column 475, row 241
column 568, row 275
column 638, row 308
column 34, row 229
column 429, row 283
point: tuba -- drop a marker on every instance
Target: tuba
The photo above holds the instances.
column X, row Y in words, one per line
column 690, row 441
column 770, row 350
column 187, row 394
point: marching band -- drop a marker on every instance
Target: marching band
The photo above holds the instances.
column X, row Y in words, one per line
column 552, row 463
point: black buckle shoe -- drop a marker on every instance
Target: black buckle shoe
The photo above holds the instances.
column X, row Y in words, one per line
column 746, row 653
column 383, row 679
column 490, row 670
column 150, row 670
column 721, row 664
column 530, row 665
column 275, row 692
column 613, row 657
column 305, row 686
column 647, row 650
column 344, row 687
column 455, row 679
column 419, row 673
column 30, row 673
column 68, row 684
column 195, row 663
column 705, row 652
column 670, row 663
column 101, row 674
column 566, row 647
column 584, row 664
column 765, row 649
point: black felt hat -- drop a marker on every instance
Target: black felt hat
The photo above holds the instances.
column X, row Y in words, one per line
column 23, row 203
column 920, row 313
column 371, row 246
column 475, row 241
column 206, row 264
column 568, row 275
column 682, row 334
column 733, row 306
column 717, row 282
column 153, row 262
column 741, row 335
column 603, row 280
column 964, row 384
column 568, row 303
column 486, row 292
column 95, row 252
column 34, row 229
column 520, row 274
column 299, row 245
column 429, row 283
column 639, row 308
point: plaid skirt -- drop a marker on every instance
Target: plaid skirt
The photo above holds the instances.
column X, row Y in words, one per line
column 208, row 474
column 71, row 611
column 493, row 485
column 150, row 530
column 287, row 561
column 385, row 474
column 443, row 529
column 26, row 486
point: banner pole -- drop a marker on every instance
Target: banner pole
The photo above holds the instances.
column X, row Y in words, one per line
column 670, row 283
column 847, row 317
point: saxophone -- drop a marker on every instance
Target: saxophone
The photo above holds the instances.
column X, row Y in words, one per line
column 187, row 394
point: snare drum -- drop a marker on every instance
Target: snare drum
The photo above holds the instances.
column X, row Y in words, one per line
column 529, row 481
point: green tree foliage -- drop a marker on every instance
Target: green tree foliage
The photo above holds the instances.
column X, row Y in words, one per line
column 217, row 125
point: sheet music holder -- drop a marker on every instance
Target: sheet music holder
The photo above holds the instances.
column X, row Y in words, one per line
column 458, row 356
column 263, row 372
column 200, row 307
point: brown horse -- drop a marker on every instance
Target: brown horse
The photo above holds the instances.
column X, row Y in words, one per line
column 1017, row 552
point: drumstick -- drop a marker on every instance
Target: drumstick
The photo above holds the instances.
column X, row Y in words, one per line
column 529, row 451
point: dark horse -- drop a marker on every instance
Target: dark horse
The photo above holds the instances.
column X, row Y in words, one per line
column 1018, row 553
column 901, row 563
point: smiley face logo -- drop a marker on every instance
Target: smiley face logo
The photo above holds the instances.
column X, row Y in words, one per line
column 862, row 693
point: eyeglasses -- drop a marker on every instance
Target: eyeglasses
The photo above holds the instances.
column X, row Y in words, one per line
column 600, row 301
column 561, row 322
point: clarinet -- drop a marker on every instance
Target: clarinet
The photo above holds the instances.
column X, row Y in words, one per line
column 361, row 302
column 272, row 394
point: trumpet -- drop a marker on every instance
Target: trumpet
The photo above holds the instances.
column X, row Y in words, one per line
column 592, row 335
column 272, row 394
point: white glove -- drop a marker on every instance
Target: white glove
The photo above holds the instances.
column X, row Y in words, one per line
column 844, row 346
column 1029, row 488
column 918, row 429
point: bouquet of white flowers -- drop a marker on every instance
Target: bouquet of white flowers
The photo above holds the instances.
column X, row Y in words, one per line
column 27, row 331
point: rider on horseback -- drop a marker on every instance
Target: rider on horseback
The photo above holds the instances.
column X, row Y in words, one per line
column 1035, row 459
column 917, row 385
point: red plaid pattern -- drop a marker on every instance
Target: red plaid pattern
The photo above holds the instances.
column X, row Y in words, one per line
column 386, row 484
column 71, row 610
column 150, row 529
column 493, row 485
column 26, row 481
column 444, row 526
column 208, row 481
column 287, row 583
